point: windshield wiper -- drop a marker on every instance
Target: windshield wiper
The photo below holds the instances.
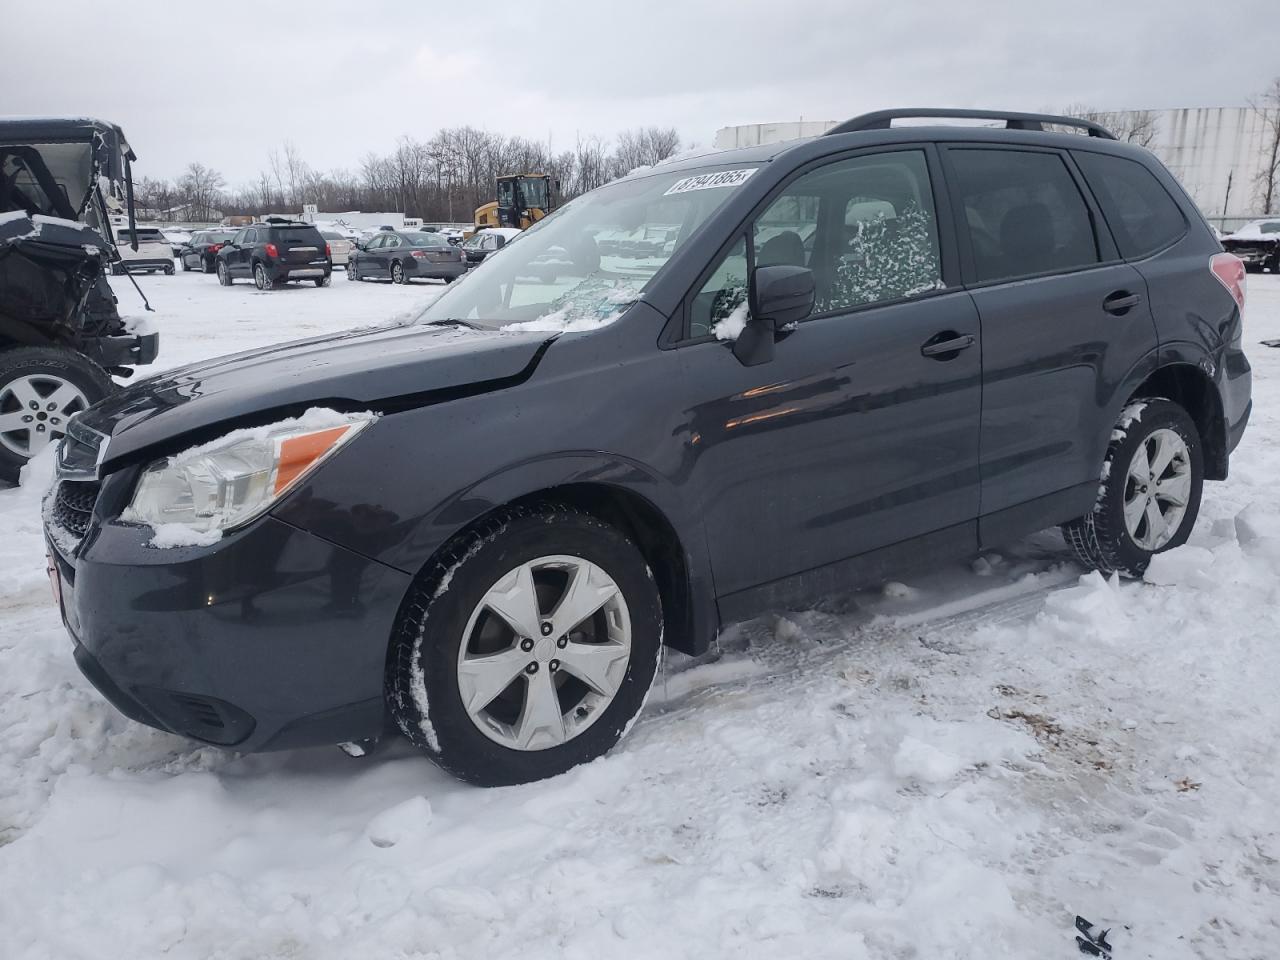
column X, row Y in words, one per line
column 452, row 322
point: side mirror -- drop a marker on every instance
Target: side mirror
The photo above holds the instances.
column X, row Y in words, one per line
column 500, row 240
column 782, row 295
column 779, row 296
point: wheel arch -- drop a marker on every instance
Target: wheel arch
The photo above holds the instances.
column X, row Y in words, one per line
column 1191, row 388
column 688, row 604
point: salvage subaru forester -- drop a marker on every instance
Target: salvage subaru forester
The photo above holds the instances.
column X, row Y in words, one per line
column 715, row 387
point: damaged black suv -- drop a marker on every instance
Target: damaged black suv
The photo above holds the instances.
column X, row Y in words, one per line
column 61, row 335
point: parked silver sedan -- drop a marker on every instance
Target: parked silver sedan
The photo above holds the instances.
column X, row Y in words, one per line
column 339, row 247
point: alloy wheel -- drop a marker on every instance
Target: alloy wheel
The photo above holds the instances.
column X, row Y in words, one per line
column 397, row 273
column 544, row 652
column 1157, row 489
column 34, row 410
column 260, row 277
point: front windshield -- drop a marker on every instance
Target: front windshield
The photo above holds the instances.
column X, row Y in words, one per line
column 533, row 193
column 581, row 267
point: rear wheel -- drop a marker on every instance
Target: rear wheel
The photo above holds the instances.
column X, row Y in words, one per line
column 352, row 273
column 168, row 270
column 41, row 388
column 322, row 281
column 207, row 265
column 397, row 273
column 260, row 279
column 1152, row 479
column 528, row 648
column 224, row 274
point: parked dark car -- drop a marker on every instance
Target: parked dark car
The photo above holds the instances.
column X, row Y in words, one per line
column 401, row 256
column 482, row 243
column 273, row 253
column 201, row 253
column 61, row 334
column 864, row 351
column 1257, row 243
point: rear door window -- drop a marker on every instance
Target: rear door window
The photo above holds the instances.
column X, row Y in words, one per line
column 1024, row 212
column 1143, row 217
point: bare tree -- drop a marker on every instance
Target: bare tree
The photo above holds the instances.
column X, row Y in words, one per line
column 1132, row 126
column 1267, row 182
column 200, row 188
column 643, row 147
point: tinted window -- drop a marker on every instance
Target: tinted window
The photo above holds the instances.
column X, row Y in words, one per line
column 865, row 227
column 250, row 236
column 1024, row 212
column 428, row 240
column 301, row 234
column 1142, row 215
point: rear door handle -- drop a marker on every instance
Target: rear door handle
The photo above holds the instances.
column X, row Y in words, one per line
column 1121, row 302
column 945, row 349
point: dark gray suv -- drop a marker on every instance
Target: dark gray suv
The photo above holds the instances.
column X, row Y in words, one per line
column 720, row 386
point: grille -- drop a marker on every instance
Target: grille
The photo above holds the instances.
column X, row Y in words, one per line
column 73, row 506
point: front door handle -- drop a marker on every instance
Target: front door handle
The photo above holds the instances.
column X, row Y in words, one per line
column 1121, row 302
column 946, row 345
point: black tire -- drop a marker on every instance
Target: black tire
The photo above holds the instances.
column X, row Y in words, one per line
column 352, row 272
column 67, row 365
column 186, row 267
column 397, row 273
column 224, row 274
column 322, row 281
column 206, row 264
column 260, row 278
column 422, row 679
column 1100, row 539
column 168, row 270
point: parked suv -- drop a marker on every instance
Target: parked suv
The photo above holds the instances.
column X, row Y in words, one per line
column 858, row 352
column 274, row 252
column 143, row 249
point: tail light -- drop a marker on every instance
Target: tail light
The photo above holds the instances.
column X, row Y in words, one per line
column 1229, row 270
column 419, row 255
column 215, row 247
column 327, row 251
column 271, row 250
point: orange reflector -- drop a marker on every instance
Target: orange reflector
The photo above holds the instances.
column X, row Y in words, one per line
column 298, row 453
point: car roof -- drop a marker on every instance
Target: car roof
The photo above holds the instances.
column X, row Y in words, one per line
column 60, row 128
column 805, row 148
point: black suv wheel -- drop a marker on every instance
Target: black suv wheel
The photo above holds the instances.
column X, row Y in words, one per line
column 529, row 648
column 1150, row 495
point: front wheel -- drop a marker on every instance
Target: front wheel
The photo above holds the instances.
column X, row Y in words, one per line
column 207, row 265
column 527, row 648
column 41, row 388
column 1152, row 479
column 224, row 274
column 351, row 272
column 397, row 273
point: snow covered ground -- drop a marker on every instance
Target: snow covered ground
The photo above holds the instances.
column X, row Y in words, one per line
column 950, row 767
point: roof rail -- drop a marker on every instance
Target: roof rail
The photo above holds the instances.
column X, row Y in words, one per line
column 882, row 120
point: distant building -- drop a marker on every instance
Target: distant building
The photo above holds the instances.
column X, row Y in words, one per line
column 1216, row 153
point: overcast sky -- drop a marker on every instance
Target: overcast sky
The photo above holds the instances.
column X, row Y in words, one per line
column 225, row 83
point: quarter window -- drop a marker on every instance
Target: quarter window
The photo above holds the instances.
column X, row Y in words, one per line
column 1142, row 215
column 1024, row 213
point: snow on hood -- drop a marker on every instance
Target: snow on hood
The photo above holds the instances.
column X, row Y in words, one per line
column 1253, row 231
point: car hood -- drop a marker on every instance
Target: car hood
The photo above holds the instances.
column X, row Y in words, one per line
column 385, row 369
